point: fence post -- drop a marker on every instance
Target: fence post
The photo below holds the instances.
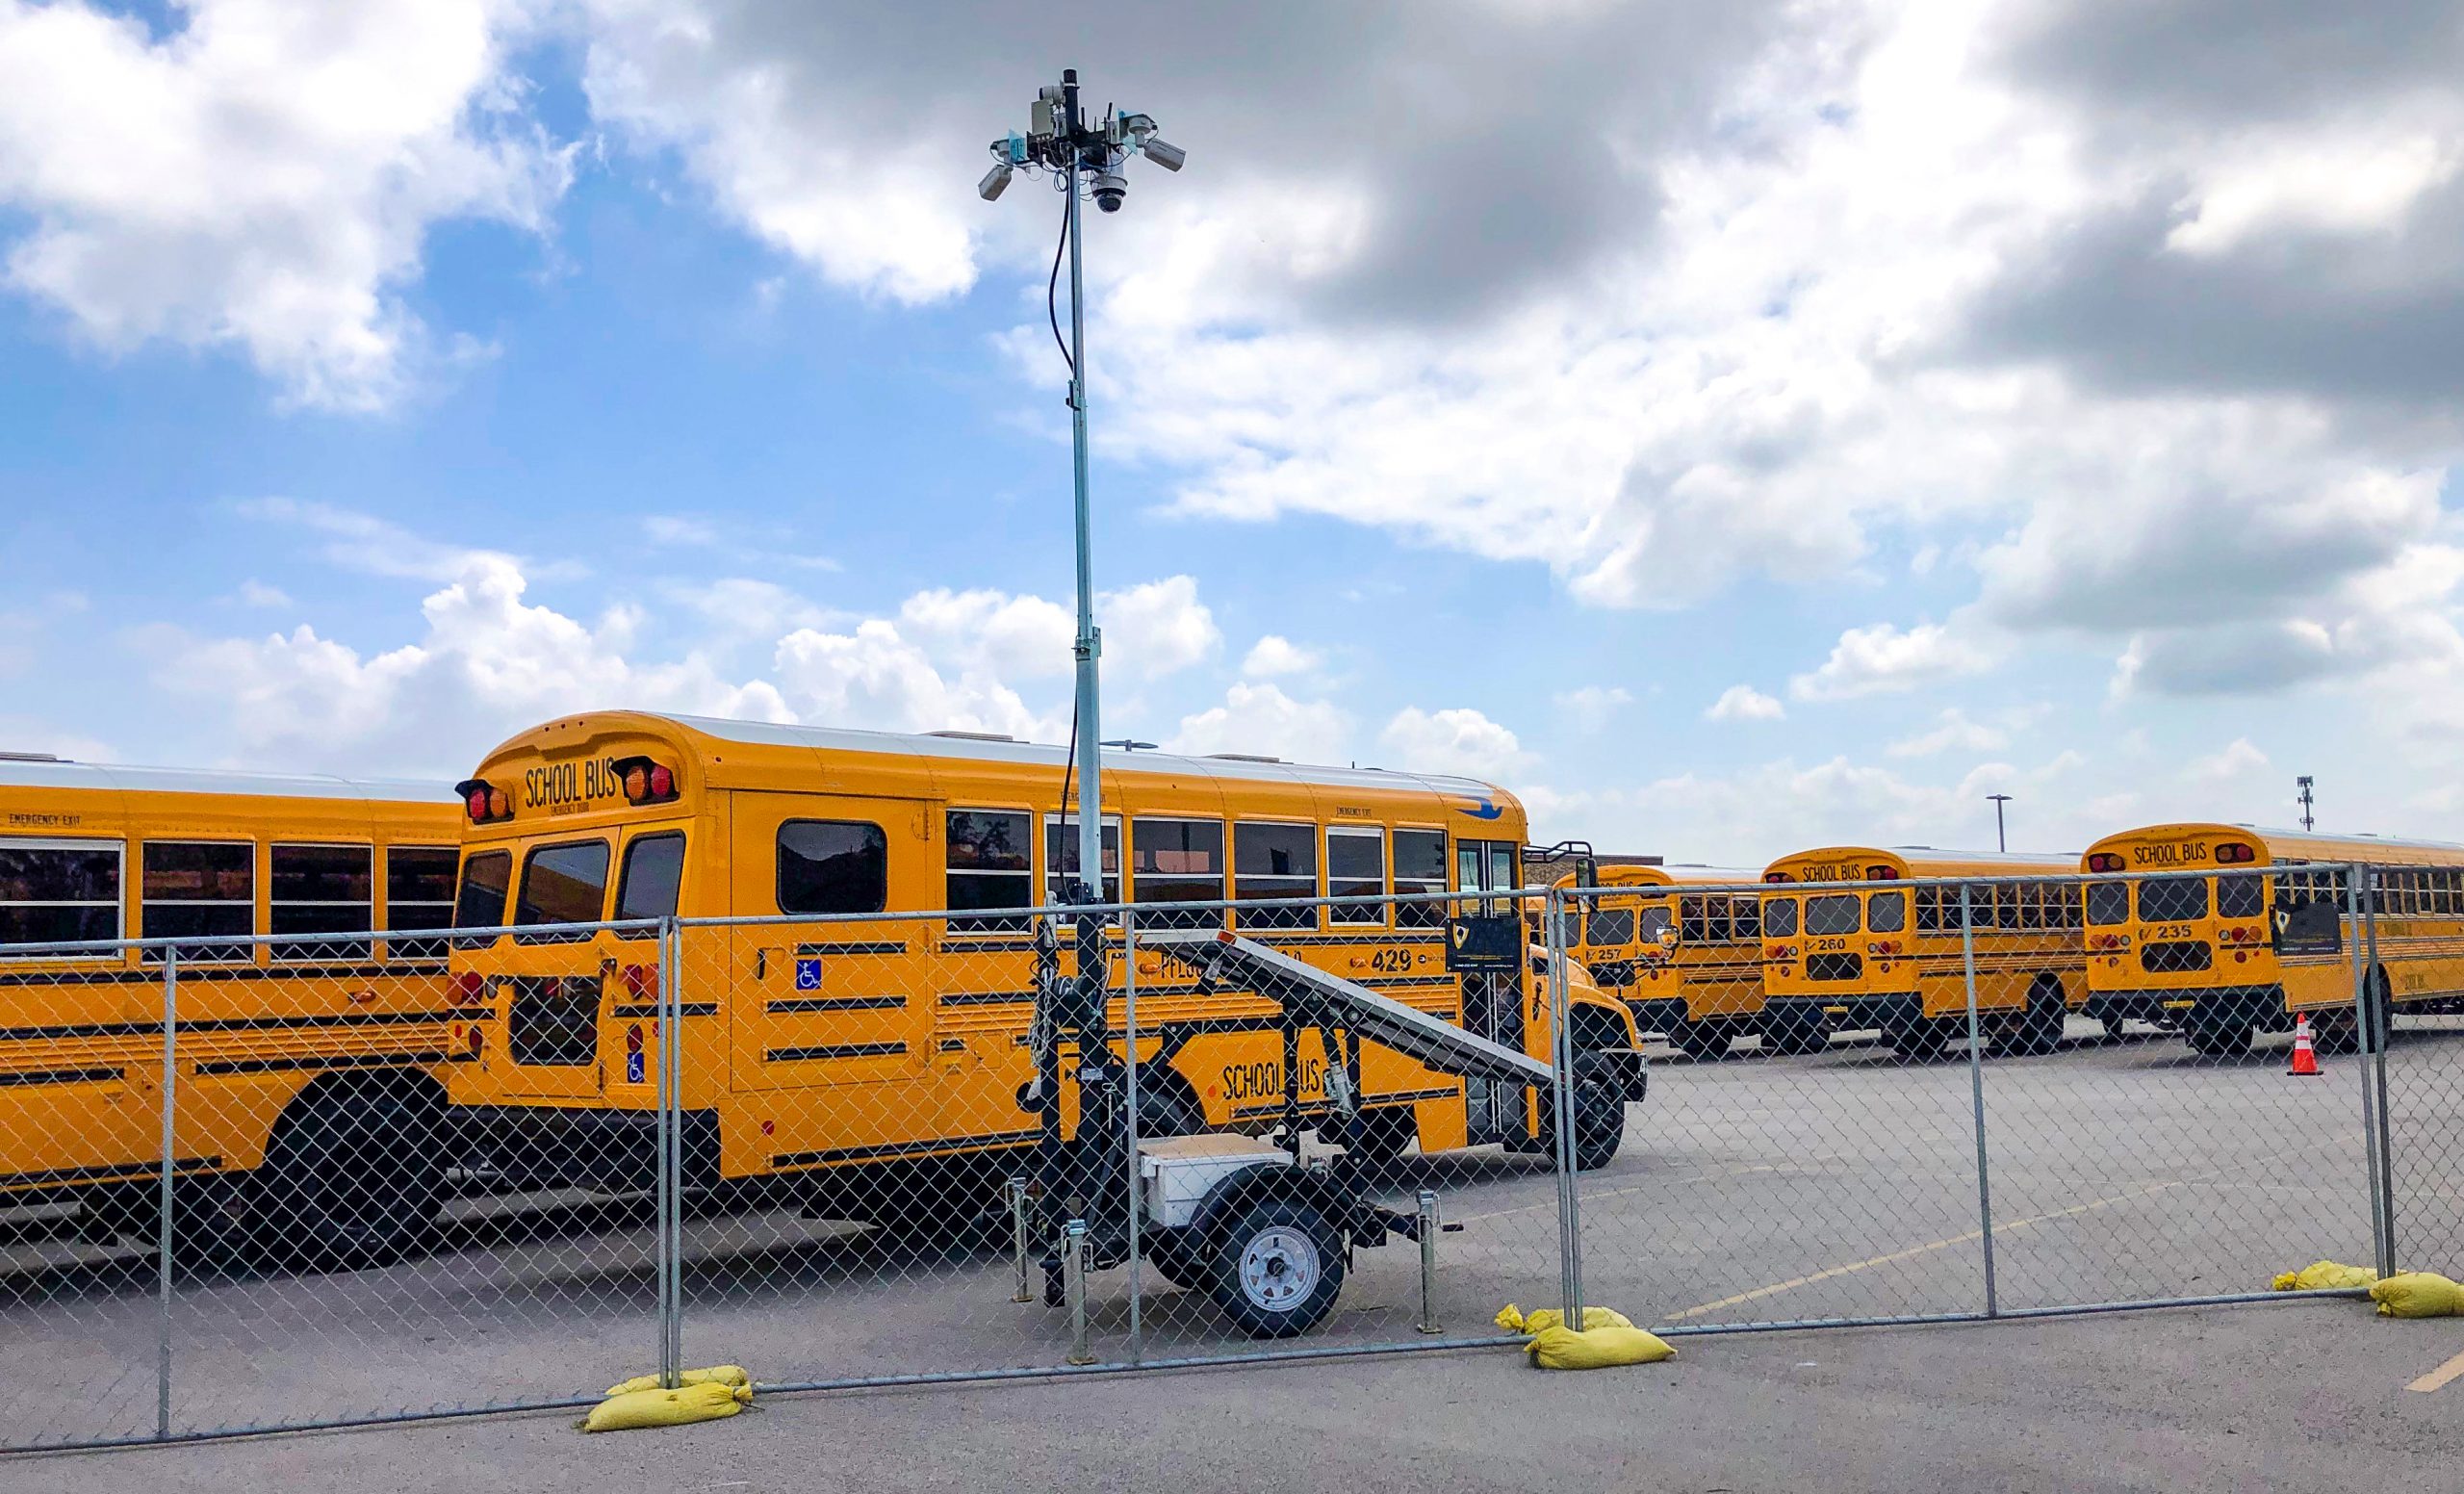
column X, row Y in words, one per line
column 1976, row 1093
column 2382, row 1242
column 2386, row 1039
column 1135, row 1202
column 669, row 1175
column 163, row 1202
column 1561, row 1063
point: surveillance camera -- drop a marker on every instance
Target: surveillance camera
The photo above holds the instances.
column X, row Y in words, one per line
column 1171, row 158
column 995, row 182
column 1111, row 187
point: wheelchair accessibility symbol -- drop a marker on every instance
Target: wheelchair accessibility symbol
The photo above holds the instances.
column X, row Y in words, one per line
column 809, row 973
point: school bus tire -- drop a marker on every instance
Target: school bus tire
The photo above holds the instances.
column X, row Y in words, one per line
column 354, row 1175
column 1278, row 1264
column 1702, row 1041
column 1918, row 1039
column 1385, row 1132
column 2211, row 1037
column 2112, row 1027
column 1796, row 1033
column 2336, row 1033
column 2037, row 1030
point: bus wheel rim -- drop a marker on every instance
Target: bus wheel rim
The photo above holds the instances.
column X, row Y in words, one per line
column 1279, row 1269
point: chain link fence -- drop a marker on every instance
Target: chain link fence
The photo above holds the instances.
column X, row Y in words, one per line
column 257, row 1183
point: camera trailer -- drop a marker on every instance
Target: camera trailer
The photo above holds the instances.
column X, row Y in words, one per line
column 1264, row 1233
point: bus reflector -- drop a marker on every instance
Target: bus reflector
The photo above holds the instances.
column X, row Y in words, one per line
column 2233, row 853
column 469, row 986
column 639, row 979
column 2104, row 861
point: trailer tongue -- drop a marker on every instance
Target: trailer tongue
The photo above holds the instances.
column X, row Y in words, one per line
column 1264, row 1233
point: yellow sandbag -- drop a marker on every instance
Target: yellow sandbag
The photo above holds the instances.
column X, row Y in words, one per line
column 2418, row 1293
column 715, row 1375
column 2324, row 1277
column 1558, row 1347
column 706, row 1402
column 1511, row 1319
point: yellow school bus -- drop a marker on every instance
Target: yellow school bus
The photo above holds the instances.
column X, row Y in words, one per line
column 2265, row 938
column 303, row 1098
column 1850, row 958
column 1686, row 959
column 809, row 1047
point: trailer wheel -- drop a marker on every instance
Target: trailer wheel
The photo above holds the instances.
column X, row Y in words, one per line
column 1278, row 1266
column 352, row 1178
column 1173, row 1259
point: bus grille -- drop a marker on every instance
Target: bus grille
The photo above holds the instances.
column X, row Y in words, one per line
column 555, row 1021
column 2176, row 958
column 1835, row 968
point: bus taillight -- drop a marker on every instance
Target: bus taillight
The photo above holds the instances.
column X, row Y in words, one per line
column 2104, row 861
column 1881, row 874
column 484, row 803
column 2233, row 853
column 469, row 986
column 646, row 782
column 1777, row 876
column 639, row 979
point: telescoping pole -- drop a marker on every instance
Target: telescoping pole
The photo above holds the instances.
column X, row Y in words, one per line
column 1089, row 644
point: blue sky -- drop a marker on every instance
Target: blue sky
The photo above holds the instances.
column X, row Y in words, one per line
column 1785, row 461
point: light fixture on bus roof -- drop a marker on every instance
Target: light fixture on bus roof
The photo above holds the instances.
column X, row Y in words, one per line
column 1131, row 745
column 483, row 802
column 646, row 782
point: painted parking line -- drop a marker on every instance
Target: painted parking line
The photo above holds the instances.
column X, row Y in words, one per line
column 2439, row 1376
column 1974, row 1236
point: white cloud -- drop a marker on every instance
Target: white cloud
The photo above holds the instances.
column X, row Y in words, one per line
column 1275, row 656
column 876, row 679
column 1954, row 729
column 1456, row 741
column 1157, row 628
column 258, row 594
column 1745, row 703
column 1592, row 704
column 2237, row 758
column 264, row 176
column 1258, row 719
column 376, row 547
column 1884, row 657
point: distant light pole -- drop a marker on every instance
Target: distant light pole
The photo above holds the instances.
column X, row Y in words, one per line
column 2304, row 782
column 1060, row 141
column 2001, row 838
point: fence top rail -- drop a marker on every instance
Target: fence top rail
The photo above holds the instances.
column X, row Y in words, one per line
column 2075, row 878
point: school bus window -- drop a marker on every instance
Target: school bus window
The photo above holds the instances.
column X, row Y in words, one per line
column 1419, row 866
column 487, row 876
column 195, row 891
column 1177, row 860
column 1779, row 917
column 833, row 866
column 1609, row 927
column 2108, row 903
column 1748, row 923
column 1271, row 861
column 2172, row 899
column 2006, row 903
column 2032, row 907
column 1832, row 913
column 1061, row 857
column 58, row 891
column 991, row 865
column 322, row 890
column 1356, row 867
column 2241, row 894
column 1937, row 909
column 1719, row 919
column 562, row 883
column 1691, row 913
column 654, row 875
column 1652, row 921
column 1886, row 913
column 419, row 894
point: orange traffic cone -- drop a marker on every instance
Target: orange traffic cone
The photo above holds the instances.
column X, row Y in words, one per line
column 2305, row 1058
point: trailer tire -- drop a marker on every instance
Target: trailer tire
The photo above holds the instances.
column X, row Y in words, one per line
column 353, row 1177
column 1278, row 1266
column 1172, row 1259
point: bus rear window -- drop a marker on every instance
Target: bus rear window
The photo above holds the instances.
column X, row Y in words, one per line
column 1834, row 913
column 2172, row 899
column 2108, row 903
column 1779, row 917
column 1611, row 927
column 486, row 877
column 564, row 884
column 653, row 871
column 2241, row 894
column 1886, row 913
